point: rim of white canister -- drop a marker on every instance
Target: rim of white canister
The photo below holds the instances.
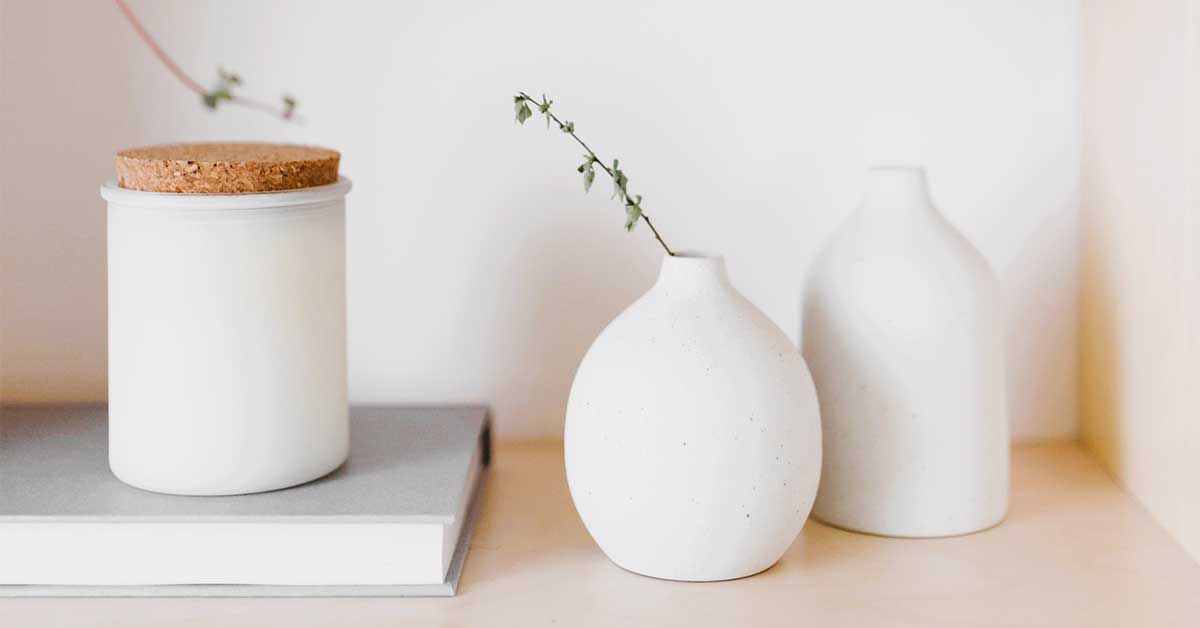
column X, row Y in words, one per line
column 113, row 193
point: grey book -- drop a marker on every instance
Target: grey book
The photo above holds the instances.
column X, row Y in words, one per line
column 395, row 520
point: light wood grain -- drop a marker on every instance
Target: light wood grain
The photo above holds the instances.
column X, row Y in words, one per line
column 1074, row 551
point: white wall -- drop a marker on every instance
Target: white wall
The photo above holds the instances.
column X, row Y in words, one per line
column 478, row 269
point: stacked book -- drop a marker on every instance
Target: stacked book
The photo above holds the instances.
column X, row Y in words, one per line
column 395, row 520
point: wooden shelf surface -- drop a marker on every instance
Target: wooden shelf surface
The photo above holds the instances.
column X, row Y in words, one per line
column 1075, row 550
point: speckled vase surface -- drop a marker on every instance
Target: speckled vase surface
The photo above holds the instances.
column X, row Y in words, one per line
column 692, row 439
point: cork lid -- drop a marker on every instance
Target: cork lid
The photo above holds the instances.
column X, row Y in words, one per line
column 227, row 168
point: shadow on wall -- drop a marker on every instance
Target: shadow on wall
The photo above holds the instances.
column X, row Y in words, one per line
column 1099, row 350
column 52, row 220
column 570, row 286
column 1041, row 300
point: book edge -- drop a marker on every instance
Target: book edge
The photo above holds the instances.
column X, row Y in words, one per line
column 448, row 588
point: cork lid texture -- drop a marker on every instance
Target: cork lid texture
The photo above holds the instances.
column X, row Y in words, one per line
column 226, row 168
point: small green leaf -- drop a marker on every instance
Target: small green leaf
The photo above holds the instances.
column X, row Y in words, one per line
column 588, row 170
column 544, row 108
column 619, row 180
column 223, row 91
column 523, row 111
column 633, row 212
column 589, row 176
column 567, row 127
column 214, row 98
column 289, row 106
column 228, row 78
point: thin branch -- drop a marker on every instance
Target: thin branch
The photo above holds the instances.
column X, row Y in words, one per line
column 189, row 82
column 656, row 236
column 158, row 51
column 607, row 170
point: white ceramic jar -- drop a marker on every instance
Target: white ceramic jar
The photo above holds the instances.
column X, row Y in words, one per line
column 226, row 338
column 692, row 439
column 904, row 333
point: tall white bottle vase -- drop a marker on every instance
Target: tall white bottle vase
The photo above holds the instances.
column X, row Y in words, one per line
column 903, row 331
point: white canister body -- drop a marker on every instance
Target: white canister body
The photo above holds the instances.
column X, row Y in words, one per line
column 227, row 339
column 904, row 334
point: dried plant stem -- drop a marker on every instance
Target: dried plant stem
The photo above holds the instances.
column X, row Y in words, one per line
column 284, row 113
column 569, row 130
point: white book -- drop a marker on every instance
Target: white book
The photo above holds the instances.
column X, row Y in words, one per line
column 394, row 520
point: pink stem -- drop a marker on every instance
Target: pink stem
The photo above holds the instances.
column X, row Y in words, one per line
column 188, row 81
column 158, row 51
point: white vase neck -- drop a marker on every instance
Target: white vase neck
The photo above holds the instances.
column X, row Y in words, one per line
column 691, row 271
column 897, row 192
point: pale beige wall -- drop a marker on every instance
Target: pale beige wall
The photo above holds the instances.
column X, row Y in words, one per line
column 1140, row 346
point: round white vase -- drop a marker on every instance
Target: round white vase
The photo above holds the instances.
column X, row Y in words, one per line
column 692, row 439
column 903, row 330
column 226, row 338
